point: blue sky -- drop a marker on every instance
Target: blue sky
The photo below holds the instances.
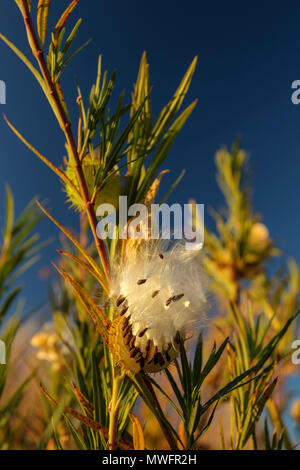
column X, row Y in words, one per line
column 249, row 54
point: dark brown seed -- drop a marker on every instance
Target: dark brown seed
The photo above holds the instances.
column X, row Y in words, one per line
column 128, row 339
column 169, row 301
column 141, row 362
column 161, row 256
column 125, row 323
column 177, row 297
column 141, row 281
column 124, row 310
column 147, row 349
column 167, row 356
column 177, row 338
column 120, row 300
column 134, row 352
column 161, row 360
column 155, row 357
column 154, row 294
column 128, row 329
column 131, row 345
column 146, row 354
column 143, row 332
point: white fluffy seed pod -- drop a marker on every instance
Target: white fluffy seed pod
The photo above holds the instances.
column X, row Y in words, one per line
column 161, row 291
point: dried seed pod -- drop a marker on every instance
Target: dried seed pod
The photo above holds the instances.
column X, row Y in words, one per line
column 153, row 282
column 90, row 164
column 133, row 353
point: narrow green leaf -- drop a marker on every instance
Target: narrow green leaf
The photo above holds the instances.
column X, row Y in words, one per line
column 42, row 19
column 28, row 64
column 56, row 170
column 80, row 445
column 163, row 149
column 77, row 245
column 169, row 112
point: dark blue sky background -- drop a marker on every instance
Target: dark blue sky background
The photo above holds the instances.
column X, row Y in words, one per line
column 249, row 53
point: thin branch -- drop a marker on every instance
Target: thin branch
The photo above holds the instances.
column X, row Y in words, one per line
column 66, row 128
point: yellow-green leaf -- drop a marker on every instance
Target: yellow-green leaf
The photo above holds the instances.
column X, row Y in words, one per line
column 96, row 314
column 84, row 265
column 137, row 431
column 62, row 20
column 56, row 170
column 124, row 443
column 29, row 2
column 173, row 106
column 33, row 70
column 75, row 242
column 42, row 19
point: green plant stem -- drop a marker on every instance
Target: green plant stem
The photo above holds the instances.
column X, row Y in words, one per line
column 166, row 431
column 66, row 128
column 114, row 413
